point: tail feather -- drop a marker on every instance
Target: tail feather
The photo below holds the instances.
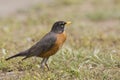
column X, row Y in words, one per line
column 24, row 53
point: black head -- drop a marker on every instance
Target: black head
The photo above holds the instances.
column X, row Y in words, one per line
column 59, row 26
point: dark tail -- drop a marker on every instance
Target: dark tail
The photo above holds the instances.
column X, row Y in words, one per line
column 24, row 53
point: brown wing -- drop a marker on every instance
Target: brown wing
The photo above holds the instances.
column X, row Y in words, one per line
column 44, row 45
column 58, row 44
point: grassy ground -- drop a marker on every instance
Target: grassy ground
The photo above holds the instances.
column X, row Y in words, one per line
column 92, row 49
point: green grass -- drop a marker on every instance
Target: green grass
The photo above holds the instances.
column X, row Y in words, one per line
column 91, row 51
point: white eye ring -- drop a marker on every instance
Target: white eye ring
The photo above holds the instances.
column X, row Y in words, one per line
column 62, row 26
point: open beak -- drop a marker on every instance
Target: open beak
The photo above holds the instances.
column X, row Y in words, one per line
column 67, row 23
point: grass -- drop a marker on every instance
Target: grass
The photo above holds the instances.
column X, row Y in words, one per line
column 91, row 51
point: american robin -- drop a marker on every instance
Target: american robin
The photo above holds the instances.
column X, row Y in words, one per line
column 48, row 45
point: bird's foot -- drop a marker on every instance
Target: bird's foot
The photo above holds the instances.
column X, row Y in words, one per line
column 45, row 67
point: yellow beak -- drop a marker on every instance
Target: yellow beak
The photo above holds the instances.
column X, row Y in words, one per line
column 67, row 23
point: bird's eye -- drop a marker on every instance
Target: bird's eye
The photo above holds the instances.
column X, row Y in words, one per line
column 62, row 26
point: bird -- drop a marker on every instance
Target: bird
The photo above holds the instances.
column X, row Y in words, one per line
column 47, row 46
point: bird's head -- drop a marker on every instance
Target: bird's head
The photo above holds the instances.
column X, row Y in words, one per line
column 58, row 27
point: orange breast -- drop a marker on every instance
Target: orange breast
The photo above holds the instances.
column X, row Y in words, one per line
column 58, row 44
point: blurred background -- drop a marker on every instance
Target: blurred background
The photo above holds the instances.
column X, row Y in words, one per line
column 92, row 49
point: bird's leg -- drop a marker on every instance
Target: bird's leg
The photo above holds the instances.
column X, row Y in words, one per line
column 46, row 59
column 42, row 63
